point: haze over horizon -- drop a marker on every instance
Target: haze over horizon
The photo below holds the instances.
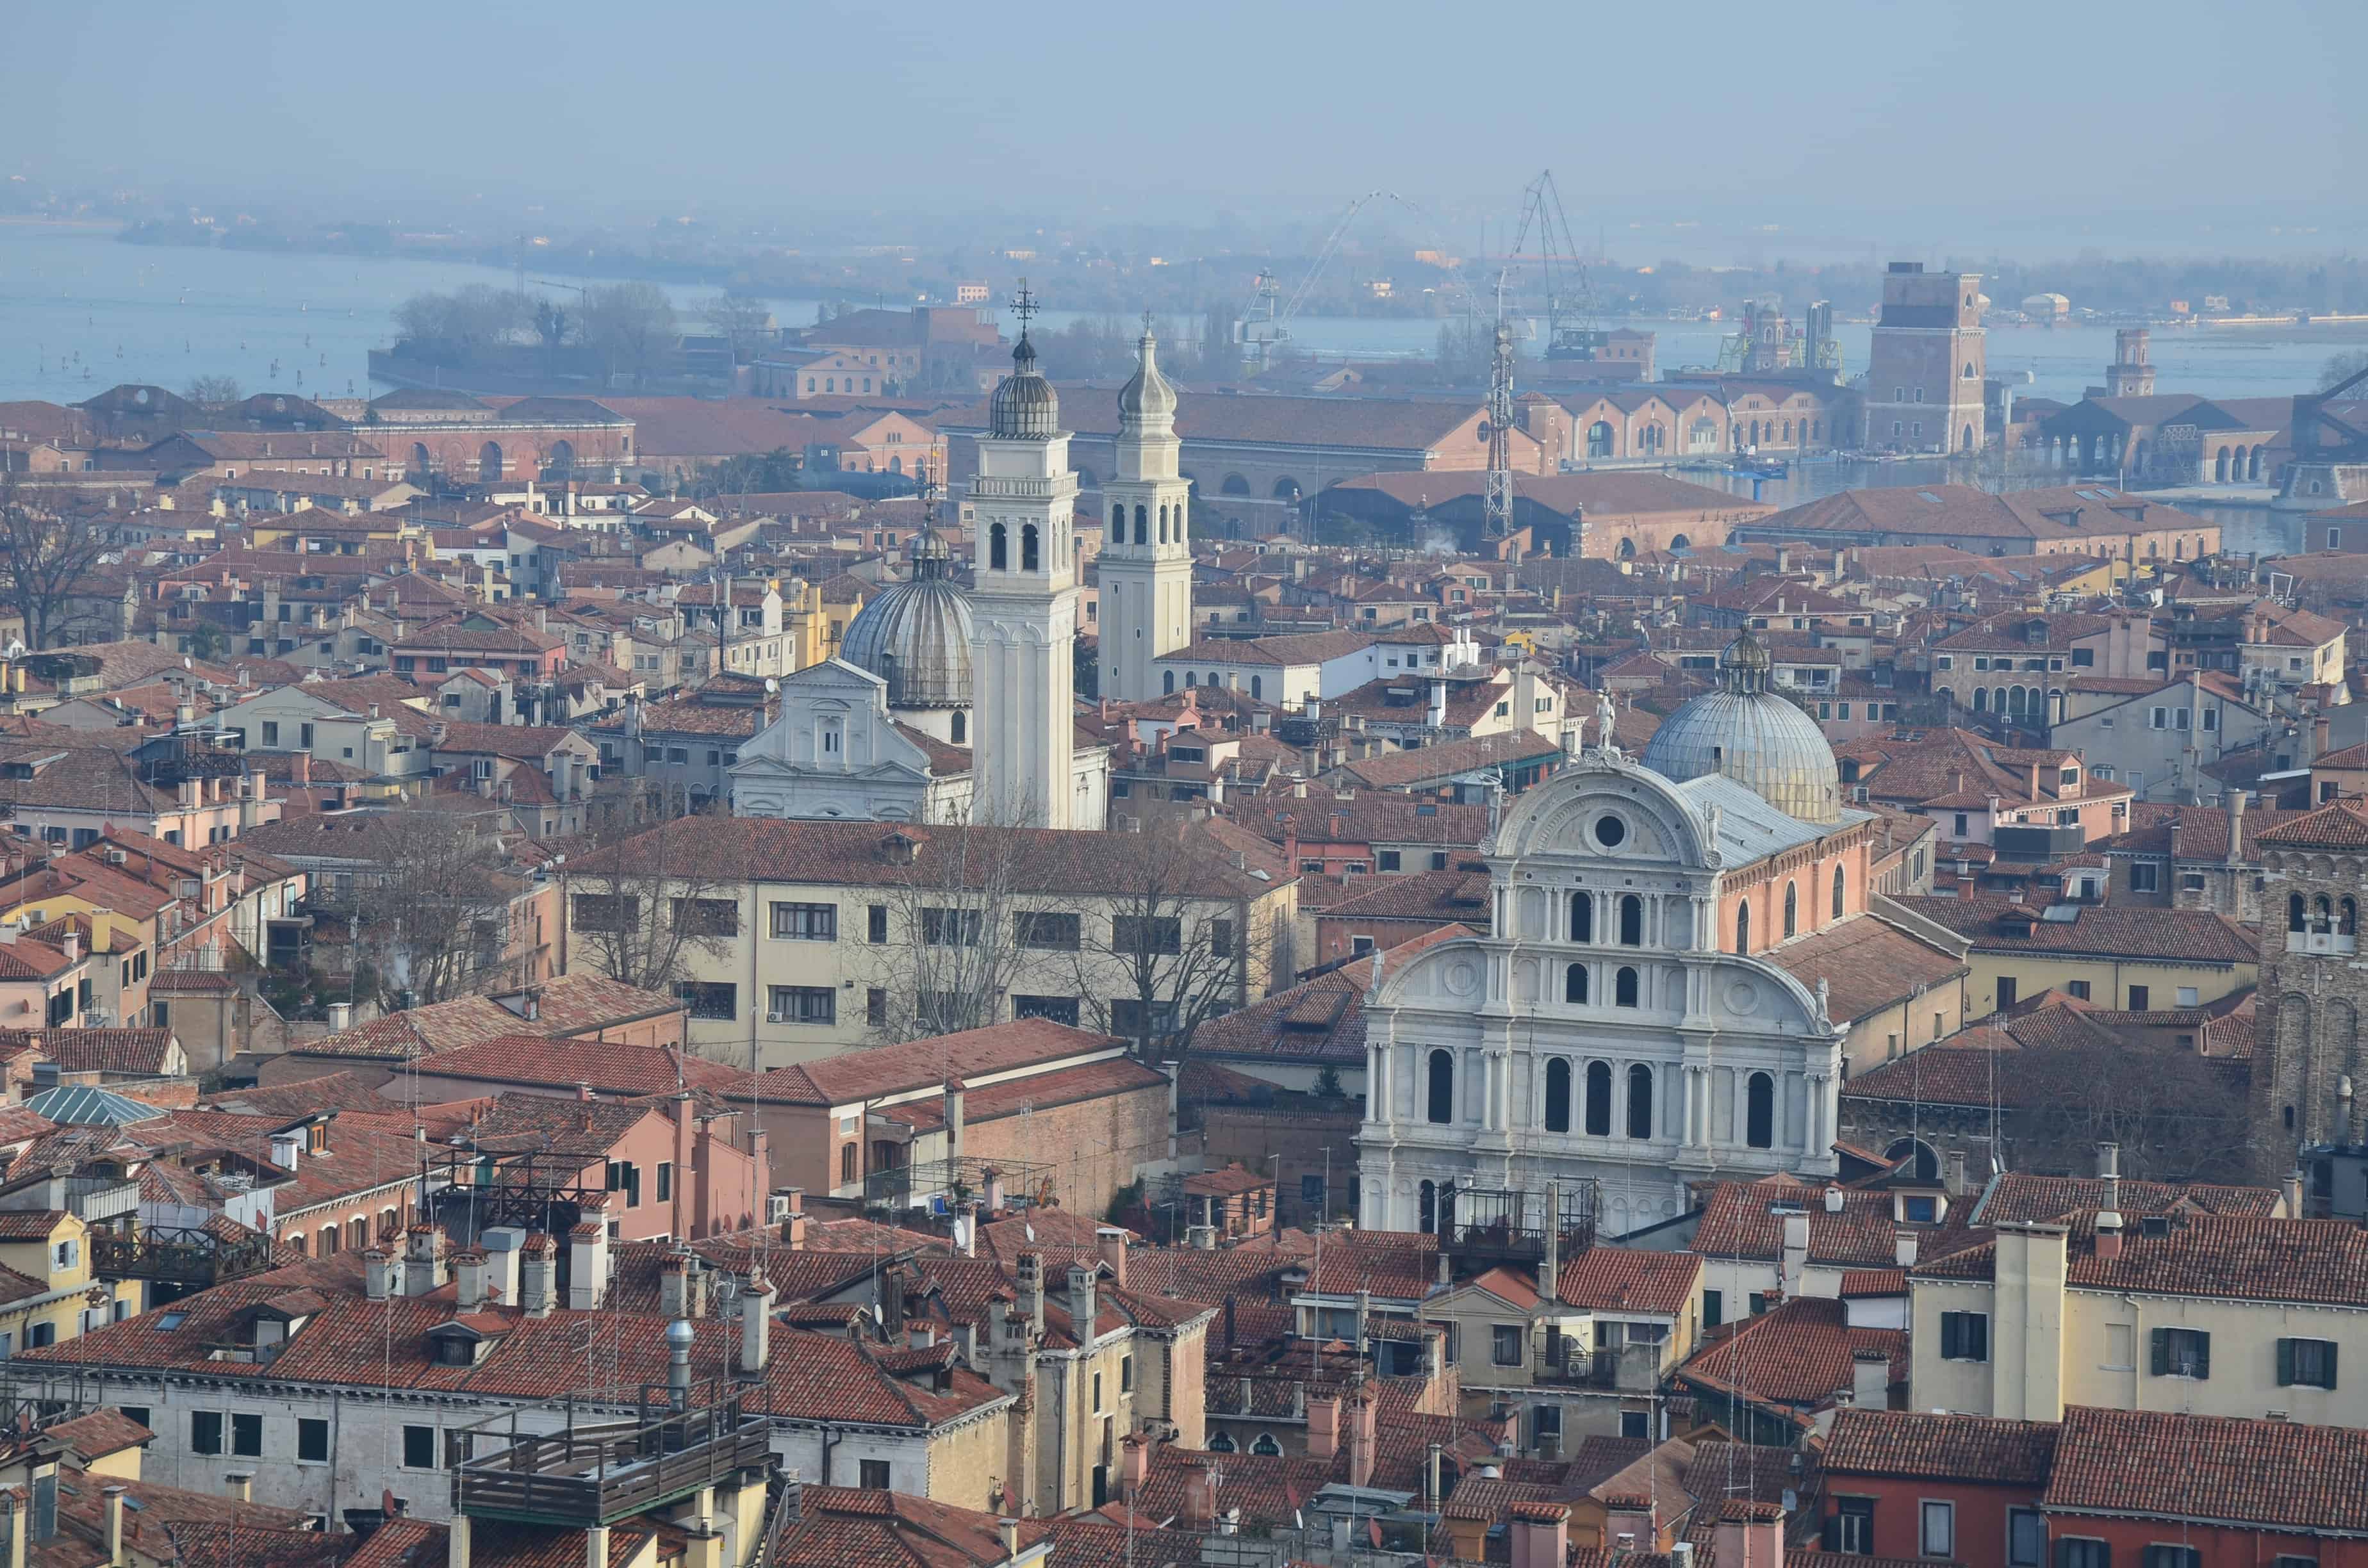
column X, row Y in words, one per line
column 2021, row 128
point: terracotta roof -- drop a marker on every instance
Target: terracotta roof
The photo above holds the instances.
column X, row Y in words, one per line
column 611, row 1068
column 565, row 1005
column 1621, row 1280
column 922, row 1063
column 2282, row 1476
column 1798, row 1354
column 1997, row 923
column 1392, row 1264
column 1868, row 963
column 2319, row 1262
column 1394, row 770
column 2339, row 825
column 1914, row 1445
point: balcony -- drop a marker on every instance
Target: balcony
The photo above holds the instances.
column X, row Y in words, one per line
column 595, row 1471
column 176, row 1256
column 95, row 1199
column 1498, row 1225
column 2324, row 944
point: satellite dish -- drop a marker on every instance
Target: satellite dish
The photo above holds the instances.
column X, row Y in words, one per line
column 771, row 685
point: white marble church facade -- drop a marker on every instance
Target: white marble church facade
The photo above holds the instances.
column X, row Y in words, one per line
column 1599, row 1032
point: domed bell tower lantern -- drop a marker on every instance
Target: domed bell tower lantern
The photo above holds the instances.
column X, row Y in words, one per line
column 1024, row 605
column 1146, row 558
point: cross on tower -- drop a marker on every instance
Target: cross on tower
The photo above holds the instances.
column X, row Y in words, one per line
column 1146, row 324
column 1024, row 305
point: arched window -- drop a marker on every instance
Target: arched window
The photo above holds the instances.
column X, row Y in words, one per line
column 1235, row 485
column 1142, row 525
column 1574, row 984
column 1167, row 682
column 489, row 461
column 1760, row 1111
column 1640, row 1101
column 1427, row 1207
column 1258, row 688
column 2297, row 915
column 562, row 460
column 1441, row 1108
column 2347, row 918
column 1599, row 439
column 1267, row 1445
column 2322, row 916
column 1558, row 1093
column 998, row 553
column 1582, row 917
column 960, row 728
column 1030, row 555
column 1117, row 522
column 1792, row 910
column 1742, row 930
column 1191, row 678
column 1981, row 700
column 1632, row 921
column 1599, row 1098
column 1624, row 988
column 1139, row 537
column 420, row 462
column 1838, row 892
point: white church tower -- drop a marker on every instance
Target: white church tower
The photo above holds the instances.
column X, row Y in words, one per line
column 1024, row 607
column 1146, row 561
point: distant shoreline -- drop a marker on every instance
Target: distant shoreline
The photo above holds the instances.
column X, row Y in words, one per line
column 78, row 226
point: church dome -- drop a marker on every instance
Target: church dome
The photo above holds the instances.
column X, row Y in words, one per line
column 915, row 635
column 1024, row 407
column 1750, row 734
column 1148, row 399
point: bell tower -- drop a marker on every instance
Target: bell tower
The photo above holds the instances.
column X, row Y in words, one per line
column 1024, row 605
column 1146, row 558
column 2307, row 1067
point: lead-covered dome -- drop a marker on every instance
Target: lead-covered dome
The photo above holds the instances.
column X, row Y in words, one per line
column 915, row 635
column 1024, row 407
column 1750, row 734
column 1147, row 402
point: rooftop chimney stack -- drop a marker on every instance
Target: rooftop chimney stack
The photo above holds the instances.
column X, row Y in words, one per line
column 1030, row 1273
column 679, row 1336
column 1871, row 1379
column 756, row 1325
column 1085, row 1306
column 378, row 1274
column 1541, row 1533
column 587, row 1264
column 1749, row 1535
column 1796, row 1254
column 424, row 1259
column 469, row 1291
column 538, row 1275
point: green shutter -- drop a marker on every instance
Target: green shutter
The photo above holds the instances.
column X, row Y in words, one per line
column 2286, row 1363
column 2203, row 1354
column 2330, row 1363
column 2160, row 1339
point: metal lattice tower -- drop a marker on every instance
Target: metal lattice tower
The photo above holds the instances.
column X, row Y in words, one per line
column 1500, row 433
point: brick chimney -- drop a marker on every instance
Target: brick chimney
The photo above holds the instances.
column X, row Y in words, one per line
column 1358, row 1411
column 1110, row 1241
column 1749, row 1535
column 1134, row 1462
column 1541, row 1533
column 1632, row 1515
column 1200, row 1497
column 538, row 1275
column 1322, row 1425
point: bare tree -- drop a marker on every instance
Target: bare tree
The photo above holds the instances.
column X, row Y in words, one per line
column 434, row 917
column 657, row 894
column 627, row 325
column 213, row 391
column 739, row 319
column 954, row 931
column 45, row 556
column 1176, row 950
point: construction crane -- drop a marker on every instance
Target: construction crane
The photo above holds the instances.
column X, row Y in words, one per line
column 1264, row 324
column 1574, row 317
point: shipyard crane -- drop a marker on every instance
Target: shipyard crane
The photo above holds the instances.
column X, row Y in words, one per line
column 1264, row 320
column 1574, row 317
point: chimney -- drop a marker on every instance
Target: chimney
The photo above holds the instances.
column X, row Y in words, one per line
column 378, row 1274
column 1633, row 1515
column 587, row 1264
column 241, row 1486
column 502, row 1244
column 288, row 1148
column 2109, row 1206
column 793, row 1223
column 1796, row 1254
column 1085, row 1304
column 1541, row 1533
column 1903, row 1247
column 1322, row 1425
column 756, row 1325
column 114, row 1495
column 1029, row 1269
column 1833, row 1199
column 1954, row 1180
column 1871, row 1379
column 2291, row 1189
column 953, row 1111
column 1360, row 1414
column 469, row 1276
column 1007, row 1534
column 1110, row 1241
column 538, row 1275
column 1749, row 1535
column 423, row 1259
column 1200, row 1497
column 674, row 1285
column 1134, row 1462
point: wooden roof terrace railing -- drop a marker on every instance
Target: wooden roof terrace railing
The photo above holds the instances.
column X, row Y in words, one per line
column 599, row 1471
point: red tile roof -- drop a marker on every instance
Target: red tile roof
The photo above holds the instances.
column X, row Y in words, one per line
column 922, row 1063
column 1915, row 1445
column 2279, row 1475
column 610, row 1069
column 1797, row 1354
column 1623, row 1279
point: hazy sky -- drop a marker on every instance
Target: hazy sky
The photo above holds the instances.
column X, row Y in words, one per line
column 1862, row 119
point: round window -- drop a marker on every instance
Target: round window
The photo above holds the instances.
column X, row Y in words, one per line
column 1609, row 832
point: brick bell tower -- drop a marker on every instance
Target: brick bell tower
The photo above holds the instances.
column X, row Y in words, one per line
column 2307, row 1064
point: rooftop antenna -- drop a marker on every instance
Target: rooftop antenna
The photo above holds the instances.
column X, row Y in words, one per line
column 1499, row 426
